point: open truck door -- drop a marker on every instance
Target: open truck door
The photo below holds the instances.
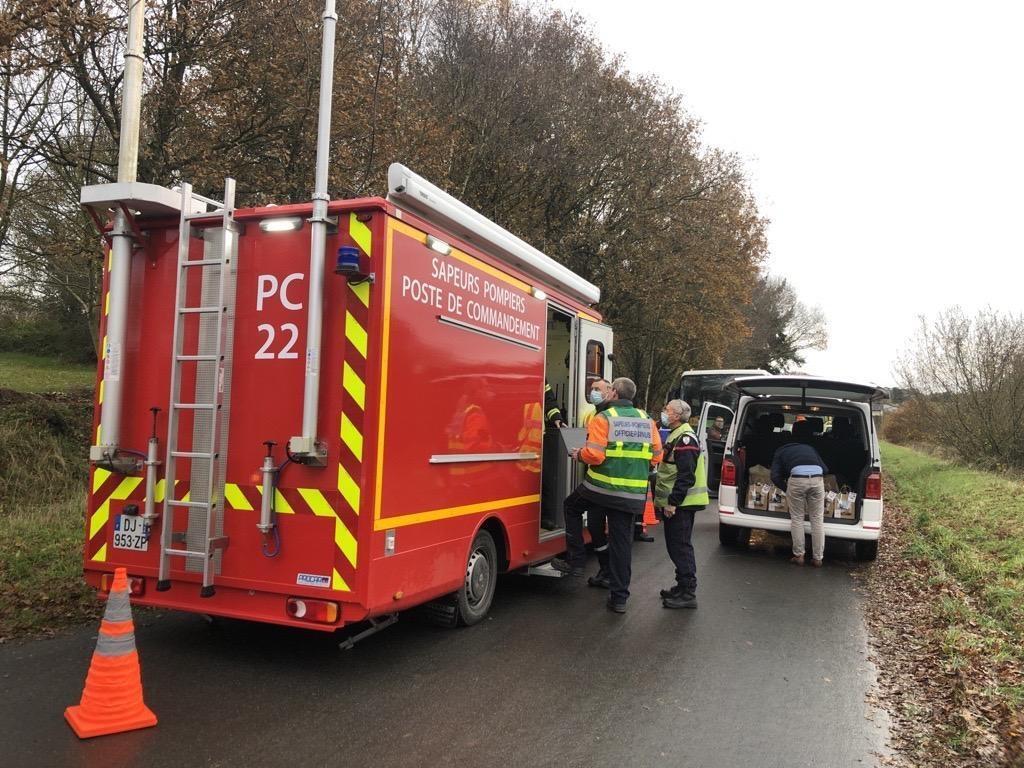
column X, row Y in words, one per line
column 712, row 440
column 594, row 361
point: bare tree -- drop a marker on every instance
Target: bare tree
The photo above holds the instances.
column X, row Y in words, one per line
column 966, row 376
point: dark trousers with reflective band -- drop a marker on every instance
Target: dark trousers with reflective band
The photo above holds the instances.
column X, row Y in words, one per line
column 575, row 506
column 620, row 553
column 679, row 543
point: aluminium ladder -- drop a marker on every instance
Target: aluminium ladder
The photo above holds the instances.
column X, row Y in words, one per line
column 210, row 367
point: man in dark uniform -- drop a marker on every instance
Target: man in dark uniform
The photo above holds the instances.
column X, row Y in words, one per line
column 680, row 491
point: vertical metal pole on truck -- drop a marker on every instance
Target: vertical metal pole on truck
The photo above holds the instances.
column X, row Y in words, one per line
column 307, row 447
column 121, row 245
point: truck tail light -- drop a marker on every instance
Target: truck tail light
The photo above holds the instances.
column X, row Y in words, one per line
column 728, row 472
column 319, row 611
column 873, row 486
column 136, row 584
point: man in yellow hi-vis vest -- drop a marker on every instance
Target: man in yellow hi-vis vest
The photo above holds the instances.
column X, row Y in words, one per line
column 622, row 445
column 681, row 489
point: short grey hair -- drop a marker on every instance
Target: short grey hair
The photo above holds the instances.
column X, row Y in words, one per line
column 681, row 407
column 624, row 388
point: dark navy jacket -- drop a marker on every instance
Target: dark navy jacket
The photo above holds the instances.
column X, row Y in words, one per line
column 793, row 455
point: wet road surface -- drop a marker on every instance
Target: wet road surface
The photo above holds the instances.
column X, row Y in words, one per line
column 771, row 670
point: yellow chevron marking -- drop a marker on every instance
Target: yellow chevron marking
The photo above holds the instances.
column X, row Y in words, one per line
column 102, row 513
column 317, row 502
column 103, row 348
column 281, row 505
column 351, row 437
column 101, row 554
column 99, row 477
column 99, row 431
column 110, row 260
column 158, row 490
column 101, row 392
column 349, row 488
column 106, row 304
column 355, row 333
column 235, row 498
column 354, row 385
column 360, row 233
column 345, row 541
column 339, row 583
column 362, row 292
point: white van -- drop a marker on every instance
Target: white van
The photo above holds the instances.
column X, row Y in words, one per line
column 838, row 423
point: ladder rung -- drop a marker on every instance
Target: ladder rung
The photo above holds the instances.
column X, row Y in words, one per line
column 185, row 553
column 198, row 310
column 191, row 504
column 201, row 262
column 197, row 358
column 192, row 455
column 196, row 406
column 202, row 215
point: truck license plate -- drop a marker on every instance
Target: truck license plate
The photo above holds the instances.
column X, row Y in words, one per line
column 131, row 532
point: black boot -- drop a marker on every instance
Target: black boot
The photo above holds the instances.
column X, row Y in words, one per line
column 680, row 600
column 564, row 566
column 600, row 580
column 672, row 591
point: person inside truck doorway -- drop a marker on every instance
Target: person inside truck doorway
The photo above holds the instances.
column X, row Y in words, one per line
column 554, row 420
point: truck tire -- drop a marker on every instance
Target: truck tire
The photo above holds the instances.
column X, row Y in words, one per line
column 473, row 599
column 867, row 550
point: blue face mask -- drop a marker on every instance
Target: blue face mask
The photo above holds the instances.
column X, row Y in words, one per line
column 664, row 419
column 596, row 397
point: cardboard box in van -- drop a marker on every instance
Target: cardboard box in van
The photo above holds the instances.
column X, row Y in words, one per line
column 846, row 504
column 831, row 495
column 777, row 501
column 758, row 487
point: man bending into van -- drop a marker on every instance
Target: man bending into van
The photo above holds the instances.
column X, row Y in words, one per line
column 797, row 469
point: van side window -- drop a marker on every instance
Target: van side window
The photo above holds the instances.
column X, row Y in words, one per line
column 595, row 360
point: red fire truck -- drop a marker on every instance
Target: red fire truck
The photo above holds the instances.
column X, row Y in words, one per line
column 250, row 470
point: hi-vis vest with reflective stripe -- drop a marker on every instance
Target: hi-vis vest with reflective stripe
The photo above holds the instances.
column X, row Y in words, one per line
column 624, row 471
column 696, row 495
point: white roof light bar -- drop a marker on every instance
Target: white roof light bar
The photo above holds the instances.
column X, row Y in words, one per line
column 417, row 195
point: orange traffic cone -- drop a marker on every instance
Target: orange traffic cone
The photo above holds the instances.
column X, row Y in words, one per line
column 112, row 699
column 649, row 517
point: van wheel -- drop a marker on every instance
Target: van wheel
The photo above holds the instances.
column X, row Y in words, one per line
column 867, row 550
column 473, row 599
column 733, row 535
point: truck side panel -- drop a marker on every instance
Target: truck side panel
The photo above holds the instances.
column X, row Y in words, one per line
column 458, row 419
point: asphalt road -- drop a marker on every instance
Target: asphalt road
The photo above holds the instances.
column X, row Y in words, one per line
column 771, row 670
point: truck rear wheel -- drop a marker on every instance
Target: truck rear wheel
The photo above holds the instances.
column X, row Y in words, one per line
column 473, row 599
column 867, row 550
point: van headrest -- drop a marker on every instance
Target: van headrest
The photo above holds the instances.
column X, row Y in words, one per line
column 763, row 424
column 841, row 427
column 778, row 420
column 803, row 429
column 817, row 424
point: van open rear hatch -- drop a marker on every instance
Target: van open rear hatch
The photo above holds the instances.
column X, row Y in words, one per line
column 804, row 387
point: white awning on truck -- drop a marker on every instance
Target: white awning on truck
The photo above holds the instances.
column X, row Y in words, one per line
column 806, row 386
column 417, row 195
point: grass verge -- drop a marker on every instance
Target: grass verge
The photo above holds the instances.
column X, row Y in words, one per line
column 946, row 612
column 43, row 452
column 28, row 373
column 41, row 584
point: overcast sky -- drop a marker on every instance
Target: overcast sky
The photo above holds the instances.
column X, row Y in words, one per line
column 885, row 141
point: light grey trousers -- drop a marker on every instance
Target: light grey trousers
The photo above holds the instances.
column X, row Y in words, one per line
column 807, row 496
